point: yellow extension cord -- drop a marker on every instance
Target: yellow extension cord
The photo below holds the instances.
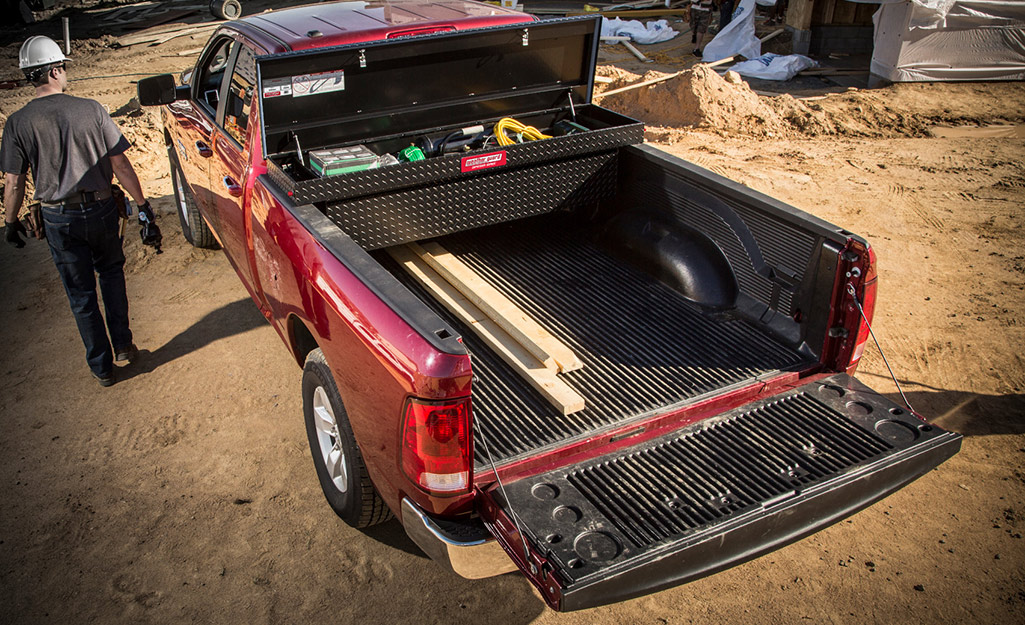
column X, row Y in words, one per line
column 525, row 133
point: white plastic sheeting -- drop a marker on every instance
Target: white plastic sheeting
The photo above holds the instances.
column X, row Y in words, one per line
column 738, row 38
column 652, row 32
column 942, row 40
column 771, row 66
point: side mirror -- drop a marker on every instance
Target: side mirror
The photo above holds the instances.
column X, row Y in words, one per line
column 158, row 90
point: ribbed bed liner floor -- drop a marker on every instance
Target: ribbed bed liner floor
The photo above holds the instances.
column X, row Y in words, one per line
column 644, row 347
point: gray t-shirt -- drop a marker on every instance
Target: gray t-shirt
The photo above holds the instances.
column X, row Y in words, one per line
column 66, row 141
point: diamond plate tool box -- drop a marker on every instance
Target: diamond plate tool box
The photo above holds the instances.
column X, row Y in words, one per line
column 443, row 94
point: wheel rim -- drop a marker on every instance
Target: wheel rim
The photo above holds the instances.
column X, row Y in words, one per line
column 232, row 10
column 328, row 439
column 183, row 210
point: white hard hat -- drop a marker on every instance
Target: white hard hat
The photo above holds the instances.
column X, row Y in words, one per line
column 39, row 50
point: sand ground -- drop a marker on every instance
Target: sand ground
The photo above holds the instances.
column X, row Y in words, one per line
column 185, row 492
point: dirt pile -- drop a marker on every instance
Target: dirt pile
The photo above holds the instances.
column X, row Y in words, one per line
column 701, row 98
column 698, row 98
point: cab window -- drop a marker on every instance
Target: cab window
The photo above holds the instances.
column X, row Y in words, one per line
column 211, row 75
column 240, row 95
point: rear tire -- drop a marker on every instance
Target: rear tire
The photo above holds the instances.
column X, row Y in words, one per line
column 343, row 476
column 193, row 227
column 226, row 9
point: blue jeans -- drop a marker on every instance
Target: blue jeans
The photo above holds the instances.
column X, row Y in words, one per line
column 84, row 240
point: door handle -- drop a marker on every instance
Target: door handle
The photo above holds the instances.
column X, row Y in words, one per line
column 204, row 149
column 233, row 189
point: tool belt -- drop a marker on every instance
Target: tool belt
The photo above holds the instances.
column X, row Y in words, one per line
column 34, row 221
column 80, row 199
column 120, row 200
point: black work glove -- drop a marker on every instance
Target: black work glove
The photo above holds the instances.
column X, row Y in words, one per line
column 149, row 231
column 13, row 233
column 146, row 214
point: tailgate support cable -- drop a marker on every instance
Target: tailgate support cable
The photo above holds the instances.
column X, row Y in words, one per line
column 853, row 294
column 501, row 486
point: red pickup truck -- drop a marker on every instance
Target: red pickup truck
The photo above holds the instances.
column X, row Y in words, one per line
column 538, row 342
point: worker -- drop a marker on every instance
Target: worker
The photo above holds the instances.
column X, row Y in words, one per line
column 73, row 147
column 700, row 18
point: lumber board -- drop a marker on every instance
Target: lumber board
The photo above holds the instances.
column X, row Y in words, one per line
column 637, row 13
column 772, row 35
column 160, row 18
column 634, row 51
column 541, row 378
column 147, row 37
column 530, row 334
column 184, row 33
column 638, row 85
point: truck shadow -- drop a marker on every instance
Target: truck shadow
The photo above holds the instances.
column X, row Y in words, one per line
column 967, row 413
column 392, row 535
column 463, row 600
column 970, row 414
column 234, row 318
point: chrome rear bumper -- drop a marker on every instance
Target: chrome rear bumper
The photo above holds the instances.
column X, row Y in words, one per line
column 469, row 551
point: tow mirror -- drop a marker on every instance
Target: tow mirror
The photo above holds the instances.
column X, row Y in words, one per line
column 158, row 90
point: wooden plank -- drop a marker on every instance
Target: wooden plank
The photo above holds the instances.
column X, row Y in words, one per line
column 541, row 378
column 641, row 4
column 184, row 33
column 637, row 13
column 165, row 36
column 773, row 35
column 537, row 340
column 634, row 51
column 160, row 18
column 145, row 37
column 638, row 85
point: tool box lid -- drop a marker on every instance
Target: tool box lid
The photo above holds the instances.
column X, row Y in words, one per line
column 367, row 91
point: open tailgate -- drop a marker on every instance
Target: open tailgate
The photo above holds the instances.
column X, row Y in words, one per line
column 711, row 495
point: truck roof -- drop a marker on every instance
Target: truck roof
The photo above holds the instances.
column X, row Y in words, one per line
column 338, row 23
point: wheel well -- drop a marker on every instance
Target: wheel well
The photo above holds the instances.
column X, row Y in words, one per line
column 302, row 339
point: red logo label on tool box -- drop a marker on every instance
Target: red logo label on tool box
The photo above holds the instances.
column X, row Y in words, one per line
column 473, row 163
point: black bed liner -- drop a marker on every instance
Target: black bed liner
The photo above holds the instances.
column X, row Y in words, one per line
column 716, row 493
column 644, row 347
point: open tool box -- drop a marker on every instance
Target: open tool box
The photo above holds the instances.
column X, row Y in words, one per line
column 391, row 135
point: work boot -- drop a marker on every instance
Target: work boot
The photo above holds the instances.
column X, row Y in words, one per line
column 106, row 379
column 126, row 353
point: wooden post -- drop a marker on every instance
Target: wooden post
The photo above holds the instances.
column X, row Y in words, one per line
column 798, row 19
column 799, row 14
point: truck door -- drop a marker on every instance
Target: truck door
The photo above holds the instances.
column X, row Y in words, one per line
column 229, row 167
column 193, row 133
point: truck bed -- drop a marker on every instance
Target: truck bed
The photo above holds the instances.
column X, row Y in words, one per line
column 645, row 348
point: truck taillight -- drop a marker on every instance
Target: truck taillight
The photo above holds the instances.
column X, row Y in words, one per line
column 437, row 445
column 867, row 297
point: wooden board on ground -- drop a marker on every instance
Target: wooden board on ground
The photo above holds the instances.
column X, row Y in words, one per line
column 540, row 377
column 637, row 14
column 552, row 352
column 161, row 35
column 159, row 18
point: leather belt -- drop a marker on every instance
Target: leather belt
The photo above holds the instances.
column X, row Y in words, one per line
column 80, row 199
